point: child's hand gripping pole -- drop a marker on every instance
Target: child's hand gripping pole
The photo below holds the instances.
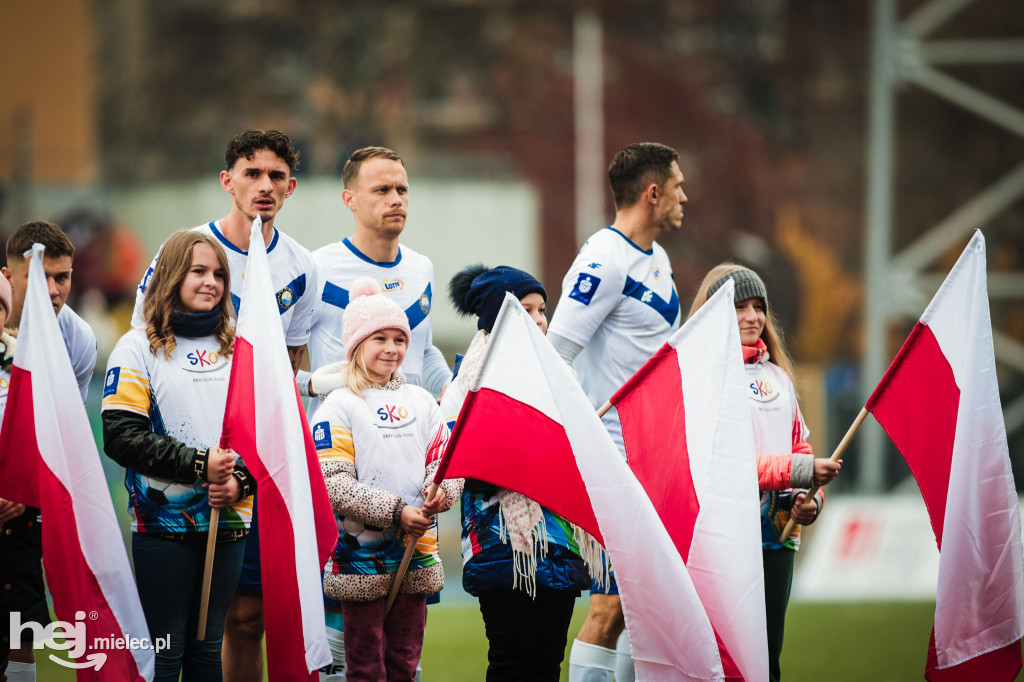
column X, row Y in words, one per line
column 834, row 458
column 407, row 557
column 211, row 546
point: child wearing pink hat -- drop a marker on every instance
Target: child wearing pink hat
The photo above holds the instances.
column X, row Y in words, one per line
column 380, row 441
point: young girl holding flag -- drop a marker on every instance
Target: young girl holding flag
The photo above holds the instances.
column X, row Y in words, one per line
column 786, row 466
column 163, row 407
column 520, row 560
column 380, row 441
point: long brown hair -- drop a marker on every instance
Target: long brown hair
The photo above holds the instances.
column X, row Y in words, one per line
column 772, row 332
column 162, row 297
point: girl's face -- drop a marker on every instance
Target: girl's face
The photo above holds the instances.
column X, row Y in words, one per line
column 750, row 314
column 534, row 304
column 203, row 286
column 383, row 352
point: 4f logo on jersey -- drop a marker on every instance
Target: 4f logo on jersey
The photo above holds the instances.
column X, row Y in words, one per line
column 594, row 266
column 392, row 284
column 586, row 286
column 647, row 297
column 392, row 414
column 110, row 382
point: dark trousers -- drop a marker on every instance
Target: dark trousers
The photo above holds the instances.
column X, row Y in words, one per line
column 169, row 576
column 778, row 580
column 526, row 636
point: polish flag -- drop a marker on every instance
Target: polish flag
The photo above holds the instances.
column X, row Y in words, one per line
column 265, row 424
column 939, row 403
column 526, row 425
column 686, row 425
column 48, row 459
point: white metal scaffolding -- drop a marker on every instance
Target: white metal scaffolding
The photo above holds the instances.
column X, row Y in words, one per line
column 897, row 285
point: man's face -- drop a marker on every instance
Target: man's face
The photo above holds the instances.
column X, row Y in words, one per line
column 668, row 213
column 380, row 198
column 259, row 185
column 58, row 279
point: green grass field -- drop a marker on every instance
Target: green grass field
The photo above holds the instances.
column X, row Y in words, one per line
column 824, row 642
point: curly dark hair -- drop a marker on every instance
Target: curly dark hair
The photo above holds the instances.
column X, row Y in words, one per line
column 245, row 145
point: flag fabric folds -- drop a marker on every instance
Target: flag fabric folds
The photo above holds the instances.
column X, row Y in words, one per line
column 527, row 426
column 686, row 426
column 48, row 459
column 265, row 423
column 939, row 403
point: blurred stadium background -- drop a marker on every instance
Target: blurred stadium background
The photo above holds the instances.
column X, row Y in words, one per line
column 845, row 150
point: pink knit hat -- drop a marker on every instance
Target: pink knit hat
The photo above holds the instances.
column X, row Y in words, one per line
column 5, row 294
column 369, row 310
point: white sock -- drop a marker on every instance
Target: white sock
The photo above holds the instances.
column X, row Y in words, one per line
column 21, row 672
column 335, row 671
column 591, row 663
column 419, row 673
column 624, row 670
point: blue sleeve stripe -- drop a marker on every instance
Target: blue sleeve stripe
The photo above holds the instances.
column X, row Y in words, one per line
column 667, row 309
column 297, row 287
column 335, row 295
column 417, row 312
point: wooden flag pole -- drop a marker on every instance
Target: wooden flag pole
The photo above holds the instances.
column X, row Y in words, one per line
column 406, row 558
column 204, row 598
column 603, row 409
column 835, row 458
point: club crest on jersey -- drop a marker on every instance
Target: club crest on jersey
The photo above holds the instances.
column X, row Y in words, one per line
column 111, row 380
column 322, row 435
column 763, row 391
column 392, row 284
column 285, row 298
column 584, row 289
column 425, row 303
column 656, row 272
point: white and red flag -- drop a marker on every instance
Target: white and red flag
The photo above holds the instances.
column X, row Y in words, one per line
column 939, row 403
column 527, row 426
column 48, row 459
column 265, row 423
column 686, row 425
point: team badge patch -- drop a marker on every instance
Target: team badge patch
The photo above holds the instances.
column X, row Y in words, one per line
column 285, row 298
column 424, row 303
column 322, row 435
column 585, row 287
column 110, row 382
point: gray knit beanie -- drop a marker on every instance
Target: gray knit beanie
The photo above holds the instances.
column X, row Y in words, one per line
column 748, row 285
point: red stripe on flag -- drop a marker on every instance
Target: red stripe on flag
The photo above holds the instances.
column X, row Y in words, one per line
column 19, row 473
column 513, row 445
column 917, row 403
column 74, row 586
column 641, row 374
column 654, row 431
column 998, row 665
column 277, row 538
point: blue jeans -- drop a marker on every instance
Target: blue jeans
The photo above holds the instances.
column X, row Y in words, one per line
column 169, row 576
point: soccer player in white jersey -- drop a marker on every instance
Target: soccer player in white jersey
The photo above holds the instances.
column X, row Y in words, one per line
column 377, row 193
column 21, row 542
column 618, row 306
column 258, row 176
